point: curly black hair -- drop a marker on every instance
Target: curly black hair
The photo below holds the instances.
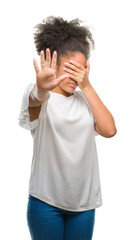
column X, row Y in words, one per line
column 63, row 36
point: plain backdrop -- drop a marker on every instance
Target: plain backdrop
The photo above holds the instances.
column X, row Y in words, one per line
column 112, row 74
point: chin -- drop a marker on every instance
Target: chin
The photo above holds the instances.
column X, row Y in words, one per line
column 71, row 90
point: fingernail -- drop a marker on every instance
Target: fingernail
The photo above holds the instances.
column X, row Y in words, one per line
column 64, row 68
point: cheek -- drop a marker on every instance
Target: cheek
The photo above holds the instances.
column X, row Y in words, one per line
column 60, row 72
column 64, row 82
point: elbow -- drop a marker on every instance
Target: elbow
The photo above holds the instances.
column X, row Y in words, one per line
column 113, row 132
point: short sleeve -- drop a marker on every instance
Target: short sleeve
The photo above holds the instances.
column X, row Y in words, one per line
column 24, row 116
column 91, row 113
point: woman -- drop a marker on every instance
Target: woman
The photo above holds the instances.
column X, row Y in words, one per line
column 64, row 187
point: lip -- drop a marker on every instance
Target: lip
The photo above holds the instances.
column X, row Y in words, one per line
column 73, row 85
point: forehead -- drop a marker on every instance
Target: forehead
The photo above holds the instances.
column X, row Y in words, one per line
column 77, row 57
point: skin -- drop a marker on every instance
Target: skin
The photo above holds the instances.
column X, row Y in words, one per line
column 66, row 66
column 74, row 68
column 56, row 78
column 52, row 77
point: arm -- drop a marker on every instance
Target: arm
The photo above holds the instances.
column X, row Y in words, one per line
column 105, row 124
column 34, row 107
column 34, row 103
column 44, row 82
column 38, row 94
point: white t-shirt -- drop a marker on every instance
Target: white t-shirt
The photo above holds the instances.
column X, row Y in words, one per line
column 64, row 168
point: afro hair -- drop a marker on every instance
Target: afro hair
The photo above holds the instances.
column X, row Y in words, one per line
column 63, row 36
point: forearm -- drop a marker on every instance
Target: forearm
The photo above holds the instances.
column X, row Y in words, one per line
column 103, row 117
column 37, row 97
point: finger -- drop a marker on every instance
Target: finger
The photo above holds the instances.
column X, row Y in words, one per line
column 48, row 57
column 72, row 67
column 36, row 65
column 70, row 71
column 61, row 78
column 77, row 64
column 54, row 60
column 73, row 77
column 42, row 59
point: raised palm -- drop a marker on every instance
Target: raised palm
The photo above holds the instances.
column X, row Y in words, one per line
column 46, row 78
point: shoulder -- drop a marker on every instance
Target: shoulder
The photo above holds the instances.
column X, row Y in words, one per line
column 80, row 95
column 83, row 99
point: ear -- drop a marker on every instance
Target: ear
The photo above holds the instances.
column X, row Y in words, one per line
column 88, row 67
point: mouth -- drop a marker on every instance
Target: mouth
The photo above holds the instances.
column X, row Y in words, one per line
column 73, row 84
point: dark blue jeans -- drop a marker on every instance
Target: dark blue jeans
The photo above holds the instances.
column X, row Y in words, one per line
column 46, row 222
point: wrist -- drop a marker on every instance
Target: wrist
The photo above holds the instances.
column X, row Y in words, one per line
column 86, row 87
column 40, row 95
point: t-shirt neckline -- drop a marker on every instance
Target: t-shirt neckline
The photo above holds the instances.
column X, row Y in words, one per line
column 58, row 94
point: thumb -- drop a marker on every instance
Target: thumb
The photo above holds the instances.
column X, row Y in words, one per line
column 61, row 78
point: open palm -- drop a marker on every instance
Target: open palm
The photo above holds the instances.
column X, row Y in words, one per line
column 46, row 78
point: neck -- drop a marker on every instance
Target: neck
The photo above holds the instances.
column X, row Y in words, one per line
column 61, row 91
